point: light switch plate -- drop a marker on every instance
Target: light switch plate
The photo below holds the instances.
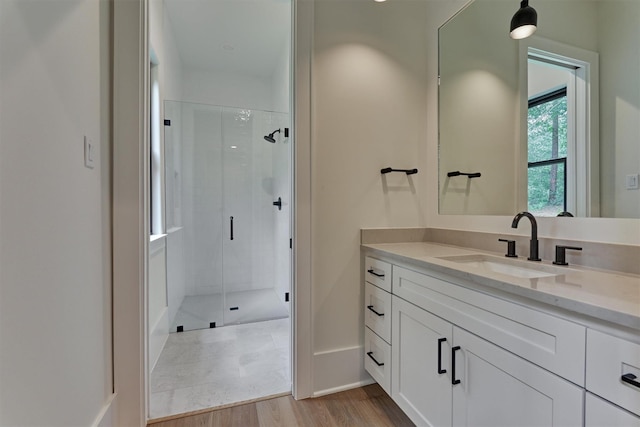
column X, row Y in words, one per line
column 89, row 152
column 632, row 181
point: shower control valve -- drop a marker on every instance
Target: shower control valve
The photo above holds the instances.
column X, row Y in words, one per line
column 278, row 203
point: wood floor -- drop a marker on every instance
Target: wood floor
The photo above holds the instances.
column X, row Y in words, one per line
column 365, row 406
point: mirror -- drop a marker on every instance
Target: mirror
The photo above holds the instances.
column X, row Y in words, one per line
column 551, row 122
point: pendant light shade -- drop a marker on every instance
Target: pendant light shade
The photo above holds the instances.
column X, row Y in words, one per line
column 524, row 22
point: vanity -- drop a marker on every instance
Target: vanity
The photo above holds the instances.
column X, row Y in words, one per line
column 461, row 336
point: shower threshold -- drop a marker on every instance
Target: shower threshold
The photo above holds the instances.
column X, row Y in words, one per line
column 206, row 311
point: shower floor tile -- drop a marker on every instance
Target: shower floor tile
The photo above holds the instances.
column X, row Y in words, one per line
column 197, row 312
column 213, row 367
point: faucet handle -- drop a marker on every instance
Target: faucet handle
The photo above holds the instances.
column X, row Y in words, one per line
column 561, row 254
column 511, row 248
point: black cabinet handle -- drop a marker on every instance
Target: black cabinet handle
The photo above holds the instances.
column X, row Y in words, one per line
column 454, row 381
column 374, row 273
column 630, row 379
column 370, row 307
column 440, row 370
column 370, row 354
column 231, row 221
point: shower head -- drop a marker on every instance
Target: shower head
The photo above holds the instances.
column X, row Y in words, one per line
column 270, row 137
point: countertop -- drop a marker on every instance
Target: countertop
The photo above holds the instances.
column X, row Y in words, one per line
column 601, row 294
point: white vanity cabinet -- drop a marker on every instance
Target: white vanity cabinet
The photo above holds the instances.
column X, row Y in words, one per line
column 443, row 375
column 463, row 357
column 377, row 315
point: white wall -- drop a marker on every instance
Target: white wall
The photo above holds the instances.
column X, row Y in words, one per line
column 225, row 89
column 479, row 97
column 172, row 67
column 281, row 80
column 239, row 90
column 55, row 260
column 368, row 109
column 619, row 107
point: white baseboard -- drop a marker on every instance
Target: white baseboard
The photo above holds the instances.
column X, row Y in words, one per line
column 158, row 338
column 107, row 415
column 339, row 370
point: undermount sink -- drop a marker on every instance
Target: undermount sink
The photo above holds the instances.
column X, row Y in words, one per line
column 510, row 267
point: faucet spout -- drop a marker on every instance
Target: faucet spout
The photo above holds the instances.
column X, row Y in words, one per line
column 533, row 243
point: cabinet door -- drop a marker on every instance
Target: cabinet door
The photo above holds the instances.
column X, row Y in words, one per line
column 600, row 413
column 421, row 390
column 497, row 388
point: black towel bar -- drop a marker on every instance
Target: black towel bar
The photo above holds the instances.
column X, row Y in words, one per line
column 470, row 175
column 407, row 171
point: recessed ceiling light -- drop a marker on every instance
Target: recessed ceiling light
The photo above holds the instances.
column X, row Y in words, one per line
column 379, row 1
column 233, row 147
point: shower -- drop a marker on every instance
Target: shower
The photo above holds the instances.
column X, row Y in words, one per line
column 270, row 137
column 231, row 244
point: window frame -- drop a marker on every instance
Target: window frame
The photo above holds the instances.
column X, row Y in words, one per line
column 534, row 102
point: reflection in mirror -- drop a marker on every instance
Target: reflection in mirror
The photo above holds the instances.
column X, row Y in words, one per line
column 551, row 122
column 562, row 123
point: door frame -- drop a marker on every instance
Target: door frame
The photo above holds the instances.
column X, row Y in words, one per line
column 130, row 207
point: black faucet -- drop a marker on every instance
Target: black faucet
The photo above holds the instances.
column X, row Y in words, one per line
column 533, row 243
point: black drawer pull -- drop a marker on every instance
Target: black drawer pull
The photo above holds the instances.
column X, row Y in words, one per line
column 440, row 370
column 371, row 271
column 370, row 354
column 454, row 381
column 630, row 379
column 370, row 307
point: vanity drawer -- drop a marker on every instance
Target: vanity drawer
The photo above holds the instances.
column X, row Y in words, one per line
column 600, row 413
column 378, row 273
column 608, row 359
column 555, row 344
column 377, row 311
column 377, row 359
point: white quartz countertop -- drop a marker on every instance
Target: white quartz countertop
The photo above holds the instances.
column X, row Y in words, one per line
column 605, row 295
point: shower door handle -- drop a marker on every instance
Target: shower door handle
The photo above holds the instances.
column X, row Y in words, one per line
column 231, row 222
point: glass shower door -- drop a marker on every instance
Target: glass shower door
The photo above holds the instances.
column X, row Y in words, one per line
column 225, row 178
column 256, row 200
column 195, row 144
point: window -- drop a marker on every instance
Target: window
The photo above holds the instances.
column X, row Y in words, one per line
column 562, row 86
column 547, row 153
column 155, row 161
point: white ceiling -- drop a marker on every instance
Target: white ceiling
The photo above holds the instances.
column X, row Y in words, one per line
column 232, row 36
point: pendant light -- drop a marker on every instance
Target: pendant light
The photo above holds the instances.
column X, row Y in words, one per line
column 524, row 22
